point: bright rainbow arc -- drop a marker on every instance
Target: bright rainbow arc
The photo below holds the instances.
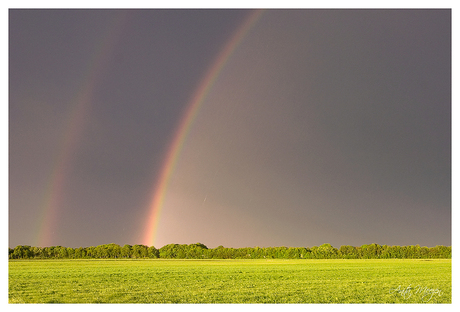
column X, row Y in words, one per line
column 174, row 151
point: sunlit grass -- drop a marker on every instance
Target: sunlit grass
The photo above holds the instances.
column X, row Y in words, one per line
column 229, row 281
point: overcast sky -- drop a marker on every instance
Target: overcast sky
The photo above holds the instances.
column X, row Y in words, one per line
column 323, row 126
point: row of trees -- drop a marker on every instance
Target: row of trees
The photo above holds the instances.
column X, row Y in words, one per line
column 99, row 252
column 200, row 251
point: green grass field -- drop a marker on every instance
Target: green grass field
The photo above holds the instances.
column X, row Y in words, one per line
column 230, row 281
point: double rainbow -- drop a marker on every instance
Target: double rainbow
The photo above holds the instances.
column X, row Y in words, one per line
column 76, row 122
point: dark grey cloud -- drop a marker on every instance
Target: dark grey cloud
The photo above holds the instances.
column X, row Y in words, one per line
column 324, row 126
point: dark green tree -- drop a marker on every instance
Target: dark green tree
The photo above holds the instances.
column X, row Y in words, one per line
column 62, row 253
column 153, row 252
column 168, row 251
column 348, row 252
column 325, row 251
column 140, row 251
column 17, row 252
column 126, row 251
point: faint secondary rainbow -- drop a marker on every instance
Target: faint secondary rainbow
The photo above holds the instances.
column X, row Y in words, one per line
column 74, row 126
column 175, row 148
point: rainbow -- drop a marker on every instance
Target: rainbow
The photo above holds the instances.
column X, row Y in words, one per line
column 75, row 122
column 172, row 155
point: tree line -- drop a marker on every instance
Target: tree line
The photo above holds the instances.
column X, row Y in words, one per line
column 200, row 251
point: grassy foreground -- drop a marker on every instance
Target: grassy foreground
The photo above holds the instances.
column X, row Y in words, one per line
column 230, row 281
